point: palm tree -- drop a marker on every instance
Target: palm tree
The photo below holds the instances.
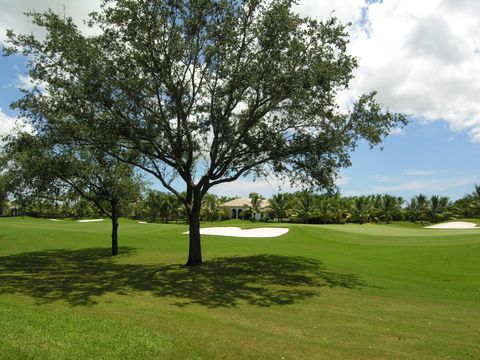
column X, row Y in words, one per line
column 362, row 208
column 339, row 209
column 422, row 207
column 464, row 207
column 438, row 208
column 389, row 207
column 304, row 205
column 210, row 207
column 324, row 210
column 153, row 201
column 475, row 199
column 279, row 205
column 413, row 210
column 255, row 203
column 167, row 206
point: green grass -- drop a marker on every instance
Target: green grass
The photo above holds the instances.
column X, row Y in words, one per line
column 319, row 292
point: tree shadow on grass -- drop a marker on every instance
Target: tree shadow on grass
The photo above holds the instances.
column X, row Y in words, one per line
column 80, row 276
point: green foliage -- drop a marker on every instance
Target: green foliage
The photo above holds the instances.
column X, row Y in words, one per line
column 439, row 208
column 389, row 207
column 3, row 196
column 202, row 91
column 279, row 205
column 47, row 165
column 362, row 209
column 417, row 208
column 210, row 208
column 255, row 205
column 162, row 206
column 304, row 207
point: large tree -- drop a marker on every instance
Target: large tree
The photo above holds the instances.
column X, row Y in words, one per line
column 206, row 91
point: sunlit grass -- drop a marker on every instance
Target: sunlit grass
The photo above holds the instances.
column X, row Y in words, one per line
column 319, row 292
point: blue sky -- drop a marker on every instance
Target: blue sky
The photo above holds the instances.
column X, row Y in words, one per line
column 409, row 52
column 428, row 158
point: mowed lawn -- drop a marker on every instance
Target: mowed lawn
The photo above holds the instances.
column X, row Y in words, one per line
column 319, row 292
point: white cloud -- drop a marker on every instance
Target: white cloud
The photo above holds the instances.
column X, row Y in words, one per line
column 342, row 180
column 398, row 131
column 12, row 14
column 432, row 185
column 243, row 187
column 345, row 10
column 475, row 134
column 386, row 179
column 25, row 82
column 265, row 187
column 7, row 123
column 423, row 57
column 414, row 172
column 28, row 83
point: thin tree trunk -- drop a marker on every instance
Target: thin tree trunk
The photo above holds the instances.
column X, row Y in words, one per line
column 114, row 218
column 195, row 251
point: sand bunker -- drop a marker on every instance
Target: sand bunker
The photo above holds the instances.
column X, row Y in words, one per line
column 265, row 232
column 90, row 220
column 54, row 220
column 454, row 225
column 142, row 222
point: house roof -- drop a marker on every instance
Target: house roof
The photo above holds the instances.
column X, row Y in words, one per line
column 244, row 202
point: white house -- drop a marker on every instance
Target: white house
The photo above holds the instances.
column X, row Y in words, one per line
column 235, row 207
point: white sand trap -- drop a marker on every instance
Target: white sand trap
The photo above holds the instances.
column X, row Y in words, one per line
column 454, row 225
column 90, row 220
column 54, row 220
column 265, row 232
column 142, row 222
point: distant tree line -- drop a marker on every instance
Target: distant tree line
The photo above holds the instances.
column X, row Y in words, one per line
column 308, row 207
column 302, row 207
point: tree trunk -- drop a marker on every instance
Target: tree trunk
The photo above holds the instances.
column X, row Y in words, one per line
column 195, row 251
column 114, row 218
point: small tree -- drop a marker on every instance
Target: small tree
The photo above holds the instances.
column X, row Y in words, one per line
column 255, row 205
column 167, row 207
column 438, row 208
column 210, row 207
column 278, row 205
column 304, row 205
column 324, row 210
column 475, row 200
column 389, row 207
column 49, row 166
column 422, row 207
column 362, row 209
